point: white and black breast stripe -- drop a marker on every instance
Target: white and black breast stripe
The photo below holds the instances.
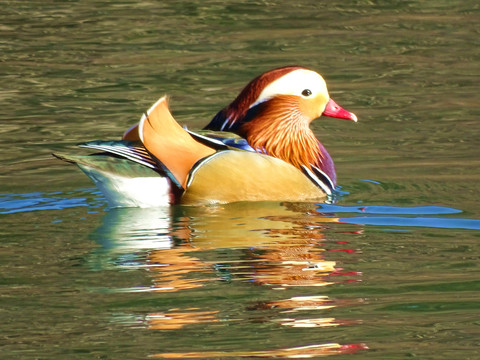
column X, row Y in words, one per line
column 319, row 178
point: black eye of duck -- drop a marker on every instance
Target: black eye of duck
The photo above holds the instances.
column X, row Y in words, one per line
column 306, row 92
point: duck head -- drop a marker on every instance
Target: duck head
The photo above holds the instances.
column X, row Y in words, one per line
column 274, row 111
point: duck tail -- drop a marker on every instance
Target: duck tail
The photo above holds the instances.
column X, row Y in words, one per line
column 123, row 182
column 170, row 143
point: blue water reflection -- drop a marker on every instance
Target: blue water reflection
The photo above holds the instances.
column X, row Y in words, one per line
column 16, row 203
column 403, row 221
column 442, row 223
column 37, row 201
column 408, row 215
column 403, row 210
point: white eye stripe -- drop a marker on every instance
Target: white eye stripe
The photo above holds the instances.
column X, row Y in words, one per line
column 294, row 83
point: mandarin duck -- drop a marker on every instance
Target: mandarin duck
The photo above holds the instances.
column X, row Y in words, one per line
column 258, row 148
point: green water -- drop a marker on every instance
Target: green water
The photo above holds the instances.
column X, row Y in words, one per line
column 391, row 271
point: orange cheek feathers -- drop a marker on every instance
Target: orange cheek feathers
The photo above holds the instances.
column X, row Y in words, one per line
column 313, row 108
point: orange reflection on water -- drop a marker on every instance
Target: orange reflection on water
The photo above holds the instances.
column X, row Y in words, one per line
column 281, row 246
column 301, row 303
column 290, row 263
column 308, row 323
column 281, row 250
column 175, row 319
column 275, row 246
column 171, row 268
column 304, row 352
column 297, row 303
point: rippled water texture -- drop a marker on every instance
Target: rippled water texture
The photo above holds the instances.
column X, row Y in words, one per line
column 390, row 270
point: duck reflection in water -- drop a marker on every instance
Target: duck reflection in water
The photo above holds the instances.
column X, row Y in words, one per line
column 184, row 248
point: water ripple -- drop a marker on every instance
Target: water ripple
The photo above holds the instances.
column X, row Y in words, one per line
column 36, row 201
column 407, row 220
column 471, row 224
column 403, row 210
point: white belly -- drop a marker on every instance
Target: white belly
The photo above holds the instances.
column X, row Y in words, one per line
column 120, row 191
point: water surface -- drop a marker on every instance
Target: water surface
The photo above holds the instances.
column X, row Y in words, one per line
column 388, row 271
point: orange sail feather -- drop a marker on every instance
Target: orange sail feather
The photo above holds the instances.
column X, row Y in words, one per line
column 171, row 144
